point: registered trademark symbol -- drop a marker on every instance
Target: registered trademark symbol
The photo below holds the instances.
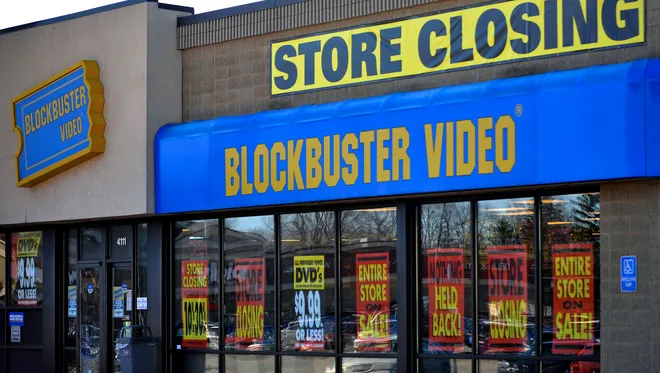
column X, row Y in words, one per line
column 519, row 110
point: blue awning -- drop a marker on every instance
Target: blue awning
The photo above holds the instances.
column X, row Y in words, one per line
column 591, row 124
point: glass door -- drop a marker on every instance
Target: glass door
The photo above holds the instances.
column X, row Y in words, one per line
column 122, row 307
column 90, row 319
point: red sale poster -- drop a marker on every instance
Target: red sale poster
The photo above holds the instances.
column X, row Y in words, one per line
column 573, row 298
column 194, row 294
column 250, row 287
column 507, row 298
column 373, row 297
column 446, row 299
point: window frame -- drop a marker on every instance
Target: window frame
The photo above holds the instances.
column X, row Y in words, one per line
column 408, row 212
column 537, row 194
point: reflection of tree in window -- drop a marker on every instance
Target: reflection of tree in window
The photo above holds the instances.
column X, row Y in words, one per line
column 312, row 229
column 446, row 225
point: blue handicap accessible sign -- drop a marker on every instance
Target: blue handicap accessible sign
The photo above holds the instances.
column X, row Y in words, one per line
column 628, row 274
column 16, row 319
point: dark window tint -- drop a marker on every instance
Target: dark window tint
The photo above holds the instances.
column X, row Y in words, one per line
column 121, row 242
column 308, row 282
column 142, row 300
column 368, row 280
column 196, row 363
column 196, row 292
column 3, row 271
column 446, row 366
column 446, row 279
column 571, row 274
column 92, row 245
column 70, row 290
column 505, row 231
column 249, row 274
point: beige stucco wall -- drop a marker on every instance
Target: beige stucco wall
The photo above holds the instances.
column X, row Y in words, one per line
column 140, row 69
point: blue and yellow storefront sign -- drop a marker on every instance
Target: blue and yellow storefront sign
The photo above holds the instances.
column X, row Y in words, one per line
column 499, row 32
column 587, row 125
column 59, row 123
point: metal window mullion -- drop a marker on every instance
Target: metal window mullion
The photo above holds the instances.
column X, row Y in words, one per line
column 278, row 308
column 339, row 343
column 474, row 215
column 402, row 291
column 418, row 280
column 221, row 292
column 538, row 237
column 134, row 272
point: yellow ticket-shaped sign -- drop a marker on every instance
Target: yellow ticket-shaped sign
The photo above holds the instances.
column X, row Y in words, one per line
column 28, row 244
column 195, row 320
column 493, row 33
column 309, row 272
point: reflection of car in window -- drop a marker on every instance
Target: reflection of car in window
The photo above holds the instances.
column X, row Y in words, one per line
column 288, row 333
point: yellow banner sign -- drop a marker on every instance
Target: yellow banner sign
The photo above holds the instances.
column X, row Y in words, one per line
column 28, row 244
column 470, row 37
column 309, row 272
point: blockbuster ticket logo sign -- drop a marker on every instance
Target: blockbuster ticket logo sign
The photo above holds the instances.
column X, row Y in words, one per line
column 499, row 32
column 59, row 123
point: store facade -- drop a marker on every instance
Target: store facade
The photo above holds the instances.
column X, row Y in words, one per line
column 81, row 97
column 311, row 186
column 450, row 184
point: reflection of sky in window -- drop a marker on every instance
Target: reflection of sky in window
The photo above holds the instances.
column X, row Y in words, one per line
column 249, row 223
column 498, row 206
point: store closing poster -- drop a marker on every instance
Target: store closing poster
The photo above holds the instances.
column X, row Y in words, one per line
column 507, row 298
column 573, row 294
column 446, row 299
column 195, row 302
column 250, row 292
column 27, row 250
column 373, row 296
column 309, row 284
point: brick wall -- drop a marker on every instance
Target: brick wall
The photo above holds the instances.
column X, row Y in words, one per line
column 233, row 77
column 630, row 225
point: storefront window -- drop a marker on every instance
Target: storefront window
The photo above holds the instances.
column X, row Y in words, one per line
column 507, row 292
column 446, row 279
column 302, row 364
column 197, row 363
column 27, row 268
column 249, row 282
column 489, row 366
column 307, row 291
column 249, row 364
column 92, row 245
column 571, row 274
column 196, row 298
column 3, row 277
column 121, row 242
column 71, row 281
column 368, row 280
column 447, row 366
column 142, row 301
